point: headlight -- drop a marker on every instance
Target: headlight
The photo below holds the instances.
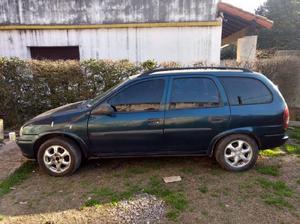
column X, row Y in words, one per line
column 21, row 131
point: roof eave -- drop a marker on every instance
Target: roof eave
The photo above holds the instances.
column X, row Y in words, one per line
column 235, row 11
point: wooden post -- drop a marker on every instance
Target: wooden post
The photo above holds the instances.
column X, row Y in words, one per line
column 246, row 49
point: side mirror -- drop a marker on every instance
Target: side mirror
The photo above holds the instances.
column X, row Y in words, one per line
column 103, row 109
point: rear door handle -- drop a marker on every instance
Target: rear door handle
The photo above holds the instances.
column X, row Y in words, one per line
column 153, row 121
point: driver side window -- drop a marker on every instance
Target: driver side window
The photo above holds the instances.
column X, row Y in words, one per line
column 143, row 96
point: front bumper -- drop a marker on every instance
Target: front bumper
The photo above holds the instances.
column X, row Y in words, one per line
column 273, row 141
column 26, row 144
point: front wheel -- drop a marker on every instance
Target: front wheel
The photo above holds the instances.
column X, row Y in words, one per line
column 237, row 153
column 59, row 157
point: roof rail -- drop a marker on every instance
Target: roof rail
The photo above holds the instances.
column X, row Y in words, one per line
column 192, row 68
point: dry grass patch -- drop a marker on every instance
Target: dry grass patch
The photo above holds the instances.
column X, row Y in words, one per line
column 272, row 152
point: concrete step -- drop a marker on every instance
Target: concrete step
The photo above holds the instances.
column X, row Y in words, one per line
column 295, row 124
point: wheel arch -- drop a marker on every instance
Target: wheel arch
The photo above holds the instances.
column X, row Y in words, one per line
column 244, row 131
column 77, row 140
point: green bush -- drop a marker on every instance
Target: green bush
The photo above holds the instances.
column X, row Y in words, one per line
column 28, row 88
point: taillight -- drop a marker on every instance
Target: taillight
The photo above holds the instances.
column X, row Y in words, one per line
column 286, row 117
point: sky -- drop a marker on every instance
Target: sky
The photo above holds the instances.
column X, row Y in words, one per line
column 248, row 5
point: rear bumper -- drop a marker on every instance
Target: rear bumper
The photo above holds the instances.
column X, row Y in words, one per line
column 273, row 141
column 26, row 144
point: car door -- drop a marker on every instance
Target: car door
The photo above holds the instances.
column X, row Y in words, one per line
column 195, row 113
column 136, row 127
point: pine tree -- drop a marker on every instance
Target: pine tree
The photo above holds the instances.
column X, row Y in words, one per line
column 285, row 34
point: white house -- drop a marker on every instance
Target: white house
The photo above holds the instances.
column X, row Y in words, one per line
column 185, row 31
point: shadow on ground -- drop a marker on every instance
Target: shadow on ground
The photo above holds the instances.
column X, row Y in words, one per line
column 206, row 193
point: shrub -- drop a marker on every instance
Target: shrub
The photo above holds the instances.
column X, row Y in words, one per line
column 28, row 88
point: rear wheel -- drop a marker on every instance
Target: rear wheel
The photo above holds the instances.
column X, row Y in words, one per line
column 59, row 157
column 237, row 153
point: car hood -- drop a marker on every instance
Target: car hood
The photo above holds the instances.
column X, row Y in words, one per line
column 63, row 111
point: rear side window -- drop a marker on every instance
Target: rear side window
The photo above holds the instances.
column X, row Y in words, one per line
column 243, row 91
column 194, row 93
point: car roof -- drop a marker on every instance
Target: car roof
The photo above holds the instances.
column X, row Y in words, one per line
column 215, row 71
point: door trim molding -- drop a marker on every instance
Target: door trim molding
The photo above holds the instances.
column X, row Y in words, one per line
column 159, row 131
column 170, row 130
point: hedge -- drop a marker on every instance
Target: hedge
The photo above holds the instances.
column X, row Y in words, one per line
column 30, row 87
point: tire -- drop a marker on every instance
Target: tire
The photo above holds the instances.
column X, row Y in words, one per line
column 241, row 148
column 59, row 157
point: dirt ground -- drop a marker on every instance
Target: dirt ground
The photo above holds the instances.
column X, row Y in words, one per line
column 10, row 159
column 212, row 194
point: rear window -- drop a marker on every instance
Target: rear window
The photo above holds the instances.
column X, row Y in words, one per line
column 243, row 91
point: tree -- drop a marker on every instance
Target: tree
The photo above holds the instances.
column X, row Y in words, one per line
column 285, row 34
column 228, row 52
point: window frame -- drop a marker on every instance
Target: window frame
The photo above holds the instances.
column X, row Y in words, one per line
column 162, row 102
column 248, row 104
column 168, row 103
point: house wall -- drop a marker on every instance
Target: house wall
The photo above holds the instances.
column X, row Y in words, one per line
column 185, row 44
column 181, row 44
column 105, row 11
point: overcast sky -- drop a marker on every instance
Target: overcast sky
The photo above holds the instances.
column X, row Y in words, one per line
column 248, row 5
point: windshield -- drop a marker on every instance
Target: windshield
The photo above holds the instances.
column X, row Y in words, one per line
column 91, row 102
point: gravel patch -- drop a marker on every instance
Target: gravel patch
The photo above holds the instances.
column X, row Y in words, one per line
column 141, row 209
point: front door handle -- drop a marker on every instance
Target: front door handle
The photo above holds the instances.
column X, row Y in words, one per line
column 217, row 119
column 153, row 121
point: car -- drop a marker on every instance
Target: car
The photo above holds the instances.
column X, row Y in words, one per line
column 226, row 113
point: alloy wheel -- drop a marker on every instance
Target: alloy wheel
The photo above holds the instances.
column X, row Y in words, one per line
column 57, row 158
column 238, row 153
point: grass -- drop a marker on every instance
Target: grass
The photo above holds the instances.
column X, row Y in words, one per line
column 276, row 201
column 21, row 174
column 187, row 170
column 292, row 149
column 175, row 199
column 91, row 203
column 136, row 170
column 104, row 194
column 276, row 192
column 268, row 170
column 215, row 194
column 279, row 187
column 203, row 189
column 298, row 181
column 294, row 133
column 216, row 171
column 287, row 148
column 222, row 205
column 272, row 152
